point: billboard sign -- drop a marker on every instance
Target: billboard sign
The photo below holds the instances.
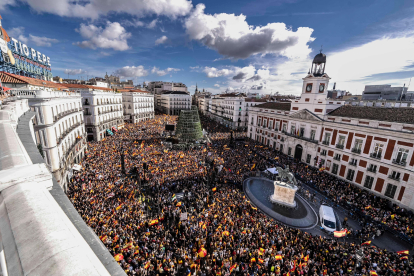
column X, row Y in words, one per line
column 17, row 58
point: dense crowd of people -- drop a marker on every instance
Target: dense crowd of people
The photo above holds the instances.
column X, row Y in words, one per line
column 212, row 229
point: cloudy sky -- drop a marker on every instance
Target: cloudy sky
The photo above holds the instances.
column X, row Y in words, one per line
column 244, row 45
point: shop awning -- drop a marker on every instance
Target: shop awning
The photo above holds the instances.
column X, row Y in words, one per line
column 114, row 129
column 109, row 132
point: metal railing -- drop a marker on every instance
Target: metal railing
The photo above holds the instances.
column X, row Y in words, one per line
column 325, row 143
column 399, row 162
column 339, row 146
column 397, row 178
column 355, row 150
column 372, row 169
column 375, row 155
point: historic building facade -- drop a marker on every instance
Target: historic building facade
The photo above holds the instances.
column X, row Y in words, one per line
column 138, row 105
column 371, row 147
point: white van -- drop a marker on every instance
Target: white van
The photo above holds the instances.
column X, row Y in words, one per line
column 327, row 217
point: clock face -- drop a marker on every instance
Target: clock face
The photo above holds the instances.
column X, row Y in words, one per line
column 321, row 87
column 309, row 87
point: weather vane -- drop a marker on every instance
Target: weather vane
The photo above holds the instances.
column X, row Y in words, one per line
column 321, row 49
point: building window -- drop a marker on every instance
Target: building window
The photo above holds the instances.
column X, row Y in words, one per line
column 327, row 139
column 372, row 168
column 335, row 168
column 350, row 175
column 353, row 162
column 281, row 147
column 337, row 157
column 323, row 152
column 308, row 158
column 289, row 151
column 292, row 129
column 401, row 157
column 264, row 123
column 302, row 132
column 368, row 182
column 284, row 127
column 358, row 146
column 377, row 151
column 395, row 175
column 271, row 124
column 322, row 163
column 260, row 122
column 390, row 191
column 341, row 142
column 312, row 134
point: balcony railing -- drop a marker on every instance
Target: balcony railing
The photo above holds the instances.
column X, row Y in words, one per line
column 399, row 162
column 325, row 143
column 397, row 178
column 339, row 146
column 323, row 153
column 355, row 150
column 353, row 163
column 375, row 155
column 300, row 137
column 337, row 158
column 372, row 169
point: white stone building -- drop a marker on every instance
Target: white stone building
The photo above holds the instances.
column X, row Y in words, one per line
column 59, row 129
column 174, row 101
column 102, row 109
column 369, row 146
column 138, row 105
column 230, row 109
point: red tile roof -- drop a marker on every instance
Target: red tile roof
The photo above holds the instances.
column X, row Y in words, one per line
column 12, row 78
column 83, row 86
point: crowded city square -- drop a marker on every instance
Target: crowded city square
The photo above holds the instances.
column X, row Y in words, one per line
column 162, row 217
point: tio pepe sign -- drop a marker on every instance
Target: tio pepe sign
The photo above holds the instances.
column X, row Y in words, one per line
column 30, row 53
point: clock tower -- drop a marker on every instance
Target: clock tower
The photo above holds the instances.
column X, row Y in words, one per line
column 314, row 95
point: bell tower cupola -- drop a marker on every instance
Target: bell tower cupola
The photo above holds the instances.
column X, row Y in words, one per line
column 318, row 65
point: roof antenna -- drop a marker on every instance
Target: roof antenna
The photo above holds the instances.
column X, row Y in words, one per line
column 321, row 49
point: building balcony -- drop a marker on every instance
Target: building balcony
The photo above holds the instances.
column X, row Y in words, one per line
column 339, row 146
column 355, row 150
column 375, row 155
column 352, row 163
column 326, row 143
column 399, row 162
column 373, row 170
column 337, row 158
column 323, row 153
column 396, row 178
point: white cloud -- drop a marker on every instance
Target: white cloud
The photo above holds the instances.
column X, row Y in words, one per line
column 43, row 41
column 217, row 85
column 112, row 36
column 351, row 68
column 152, row 24
column 161, row 40
column 75, row 71
column 132, row 71
column 237, row 73
column 4, row 3
column 18, row 33
column 164, row 72
column 95, row 8
column 231, row 36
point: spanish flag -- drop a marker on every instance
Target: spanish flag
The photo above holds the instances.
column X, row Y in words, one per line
column 254, row 165
column 340, row 234
column 233, row 267
column 306, row 258
column 372, row 272
column 202, row 252
column 366, row 243
column 404, row 258
column 260, row 260
column 244, row 232
column 153, row 222
column 403, row 252
column 119, row 207
column 147, row 265
column 142, row 144
column 226, row 233
column 253, row 260
column 278, row 257
column 178, row 204
column 214, row 189
column 103, row 238
column 368, row 207
column 119, row 257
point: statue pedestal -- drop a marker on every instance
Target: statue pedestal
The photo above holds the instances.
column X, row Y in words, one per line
column 284, row 194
